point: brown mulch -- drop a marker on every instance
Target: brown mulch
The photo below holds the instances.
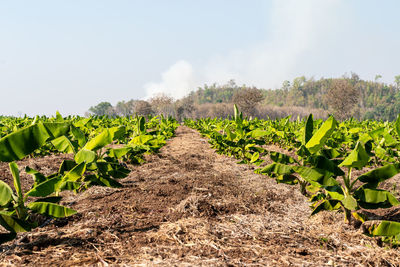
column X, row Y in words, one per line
column 190, row 206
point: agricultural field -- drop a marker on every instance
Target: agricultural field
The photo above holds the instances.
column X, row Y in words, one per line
column 213, row 192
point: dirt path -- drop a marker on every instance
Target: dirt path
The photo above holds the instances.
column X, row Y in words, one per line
column 190, row 206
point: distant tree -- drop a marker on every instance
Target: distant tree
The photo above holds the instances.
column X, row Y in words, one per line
column 355, row 78
column 162, row 104
column 184, row 108
column 111, row 112
column 297, row 94
column 342, row 98
column 377, row 77
column 286, row 86
column 247, row 99
column 125, row 108
column 143, row 107
column 397, row 81
column 214, row 93
column 101, row 109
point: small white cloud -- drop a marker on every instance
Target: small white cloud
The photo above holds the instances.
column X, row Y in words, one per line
column 176, row 82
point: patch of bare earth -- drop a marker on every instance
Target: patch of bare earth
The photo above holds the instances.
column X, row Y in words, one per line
column 190, row 206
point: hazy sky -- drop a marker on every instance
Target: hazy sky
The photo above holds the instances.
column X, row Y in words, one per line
column 72, row 54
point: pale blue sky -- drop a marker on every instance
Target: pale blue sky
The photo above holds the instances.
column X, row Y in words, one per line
column 70, row 55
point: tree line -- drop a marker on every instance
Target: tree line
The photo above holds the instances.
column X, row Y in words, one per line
column 345, row 97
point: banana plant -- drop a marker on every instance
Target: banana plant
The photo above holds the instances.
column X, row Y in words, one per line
column 238, row 138
column 145, row 140
column 361, row 192
column 389, row 231
column 94, row 162
column 67, row 178
column 327, row 152
column 16, row 208
column 355, row 193
column 140, row 126
column 104, row 164
column 101, row 168
column 312, row 169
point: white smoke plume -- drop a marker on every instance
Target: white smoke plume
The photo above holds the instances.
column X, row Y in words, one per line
column 295, row 29
column 176, row 82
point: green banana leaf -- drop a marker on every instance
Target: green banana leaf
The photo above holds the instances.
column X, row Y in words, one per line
column 380, row 174
column 51, row 209
column 358, row 158
column 318, row 140
column 78, row 135
column 254, row 157
column 112, row 169
column 141, row 125
column 23, row 142
column 37, row 176
column 287, row 179
column 103, row 181
column 324, row 163
column 141, row 139
column 308, row 129
column 63, row 144
column 5, row 193
column 57, row 129
column 75, row 173
column 386, row 228
column 397, row 125
column 350, row 203
column 335, row 192
column 45, row 188
column 119, row 152
column 53, row 199
column 257, row 133
column 104, row 138
column 388, row 140
column 66, row 166
column 281, row 158
column 375, row 196
column 85, row 155
column 311, row 174
column 59, row 118
column 13, row 224
column 375, row 134
column 235, row 112
column 276, row 168
column 17, row 182
column 326, row 205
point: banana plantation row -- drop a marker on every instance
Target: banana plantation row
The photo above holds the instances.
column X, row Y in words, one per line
column 101, row 147
column 320, row 158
